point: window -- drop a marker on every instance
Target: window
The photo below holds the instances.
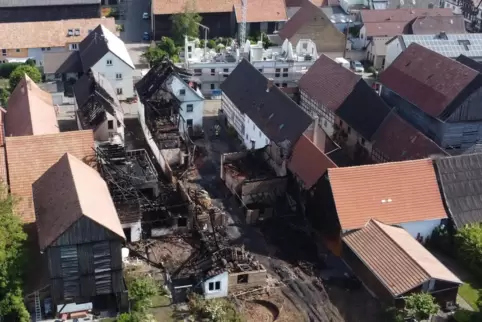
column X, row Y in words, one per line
column 260, row 70
column 225, row 72
column 182, row 222
column 212, row 86
column 277, row 72
column 246, row 136
column 349, row 130
column 43, row 49
column 260, row 133
column 213, row 72
column 109, row 62
column 4, row 52
column 182, row 92
column 74, row 46
column 362, row 141
column 119, row 91
column 277, row 84
column 17, row 50
column 242, row 278
column 189, row 108
column 284, row 85
column 48, row 48
column 198, row 72
column 110, row 124
column 214, row 286
column 285, row 72
column 118, row 76
column 189, row 49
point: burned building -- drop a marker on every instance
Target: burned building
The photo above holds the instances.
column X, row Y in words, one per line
column 79, row 234
column 98, row 108
column 259, row 189
column 164, row 114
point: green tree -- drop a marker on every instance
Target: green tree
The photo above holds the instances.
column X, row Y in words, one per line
column 141, row 291
column 186, row 23
column 20, row 71
column 12, row 257
column 420, row 306
column 165, row 48
column 469, row 248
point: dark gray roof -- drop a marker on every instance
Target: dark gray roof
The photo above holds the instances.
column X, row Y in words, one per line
column 460, row 179
column 273, row 112
column 469, row 62
column 93, row 48
column 65, row 62
column 38, row 3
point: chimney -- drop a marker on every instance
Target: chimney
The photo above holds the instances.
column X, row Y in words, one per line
column 270, row 84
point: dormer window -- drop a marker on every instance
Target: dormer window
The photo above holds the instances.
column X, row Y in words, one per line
column 70, row 32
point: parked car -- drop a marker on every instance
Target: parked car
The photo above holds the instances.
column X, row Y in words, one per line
column 357, row 66
column 145, row 16
column 146, row 36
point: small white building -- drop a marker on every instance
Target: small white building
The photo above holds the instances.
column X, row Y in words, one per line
column 284, row 64
column 102, row 52
column 216, row 286
column 98, row 108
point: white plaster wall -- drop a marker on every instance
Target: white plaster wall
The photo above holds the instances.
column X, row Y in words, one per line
column 38, row 53
column 233, row 115
column 424, row 228
column 252, row 132
column 223, row 292
column 363, row 36
column 136, row 230
column 189, row 98
column 118, row 67
column 393, row 50
column 102, row 133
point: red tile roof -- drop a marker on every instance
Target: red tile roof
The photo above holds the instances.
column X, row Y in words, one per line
column 261, row 11
column 168, row 7
column 67, row 191
column 430, row 25
column 401, row 15
column 394, row 192
column 303, row 16
column 427, row 79
column 299, row 3
column 328, row 83
column 399, row 141
column 24, row 169
column 308, row 162
column 30, row 111
column 386, row 29
column 399, row 261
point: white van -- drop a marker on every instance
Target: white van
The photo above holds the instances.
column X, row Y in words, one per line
column 343, row 62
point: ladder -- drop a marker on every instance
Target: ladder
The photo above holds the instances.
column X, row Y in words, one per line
column 38, row 309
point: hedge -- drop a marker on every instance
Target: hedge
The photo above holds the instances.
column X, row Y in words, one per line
column 7, row 68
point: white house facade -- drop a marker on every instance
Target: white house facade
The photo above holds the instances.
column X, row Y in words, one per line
column 216, row 286
column 192, row 104
column 118, row 73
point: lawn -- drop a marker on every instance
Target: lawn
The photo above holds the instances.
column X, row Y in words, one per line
column 470, row 294
column 161, row 308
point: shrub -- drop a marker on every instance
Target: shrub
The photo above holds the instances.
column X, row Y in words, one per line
column 20, row 72
column 7, row 68
column 469, row 248
column 141, row 290
column 420, row 306
column 211, row 43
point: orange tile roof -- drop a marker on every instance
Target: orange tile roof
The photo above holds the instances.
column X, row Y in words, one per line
column 168, row 7
column 399, row 261
column 67, row 191
column 394, row 192
column 308, row 162
column 25, row 168
column 42, row 34
column 3, row 166
column 31, row 111
column 262, row 11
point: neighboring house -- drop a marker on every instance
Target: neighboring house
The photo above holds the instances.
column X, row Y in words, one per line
column 98, row 108
column 404, row 193
column 392, row 265
column 437, row 95
column 461, row 186
column 30, row 111
column 349, row 110
column 377, row 50
column 392, row 22
column 222, row 17
column 353, row 6
column 23, row 170
column 409, row 4
column 167, row 77
column 429, row 25
column 396, row 140
column 35, row 10
column 448, row 45
column 78, row 228
column 102, row 52
column 261, row 114
column 31, row 40
column 340, row 18
column 310, row 22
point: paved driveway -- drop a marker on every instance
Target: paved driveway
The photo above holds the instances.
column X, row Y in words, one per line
column 134, row 25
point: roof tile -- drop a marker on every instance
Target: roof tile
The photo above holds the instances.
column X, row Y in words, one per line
column 24, row 169
column 401, row 15
column 262, row 11
column 399, row 261
column 306, row 14
column 431, row 25
column 395, row 192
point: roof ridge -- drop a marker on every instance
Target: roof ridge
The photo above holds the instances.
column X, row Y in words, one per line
column 385, row 163
column 378, row 223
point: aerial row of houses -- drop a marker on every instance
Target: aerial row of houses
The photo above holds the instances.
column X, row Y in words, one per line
column 374, row 171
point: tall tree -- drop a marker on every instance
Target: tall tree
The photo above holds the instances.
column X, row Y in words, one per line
column 420, row 306
column 186, row 23
column 165, row 48
column 20, row 71
column 12, row 259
